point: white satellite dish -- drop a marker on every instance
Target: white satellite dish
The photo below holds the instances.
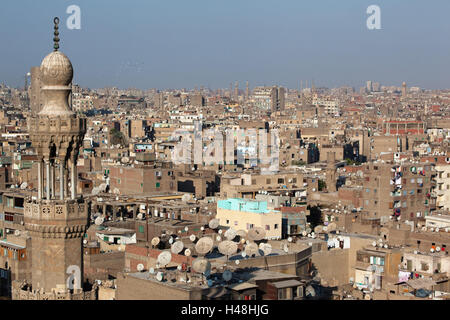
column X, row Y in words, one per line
column 202, row 228
column 171, row 240
column 155, row 241
column 140, row 267
column 177, row 247
column 192, row 237
column 218, row 238
column 179, row 268
column 241, row 233
column 438, row 249
column 237, row 262
column 164, row 258
column 85, row 241
column 187, row 252
column 99, row 221
column 228, row 247
column 374, row 243
column 290, row 239
column 230, row 234
column 432, row 250
column 201, row 265
column 386, row 246
column 256, row 234
column 304, row 233
column 160, row 276
column 17, row 233
column 140, row 216
column 152, row 270
column 186, row 229
column 251, row 249
column 227, row 275
column 24, row 185
column 286, row 248
column 266, row 248
column 214, row 223
column 243, row 254
column 220, row 231
column 204, row 245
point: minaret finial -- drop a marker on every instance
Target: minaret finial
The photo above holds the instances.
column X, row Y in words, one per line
column 56, row 33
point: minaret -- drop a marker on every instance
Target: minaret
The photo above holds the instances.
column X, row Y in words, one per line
column 331, row 172
column 247, row 91
column 56, row 218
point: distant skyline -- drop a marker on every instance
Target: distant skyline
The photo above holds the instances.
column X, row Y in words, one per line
column 212, row 43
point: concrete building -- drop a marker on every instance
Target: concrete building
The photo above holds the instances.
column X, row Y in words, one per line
column 245, row 214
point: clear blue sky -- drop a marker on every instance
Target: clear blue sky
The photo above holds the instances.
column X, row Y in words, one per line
column 187, row 43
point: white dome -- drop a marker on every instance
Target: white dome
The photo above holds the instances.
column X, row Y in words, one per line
column 56, row 70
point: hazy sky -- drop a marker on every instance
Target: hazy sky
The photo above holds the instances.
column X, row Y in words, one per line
column 187, row 43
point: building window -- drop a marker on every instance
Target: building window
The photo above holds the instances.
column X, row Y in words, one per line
column 228, row 221
column 280, row 180
column 275, row 226
column 267, row 227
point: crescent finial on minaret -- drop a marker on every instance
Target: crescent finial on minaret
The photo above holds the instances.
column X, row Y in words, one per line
column 56, row 34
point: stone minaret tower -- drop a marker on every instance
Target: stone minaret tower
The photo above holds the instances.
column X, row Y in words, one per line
column 56, row 217
column 331, row 172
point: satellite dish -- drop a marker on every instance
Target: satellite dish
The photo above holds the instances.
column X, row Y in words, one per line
column 155, row 241
column 230, row 234
column 187, row 252
column 140, row 267
column 160, row 276
column 227, row 275
column 202, row 228
column 99, row 221
column 241, row 233
column 310, row 292
column 177, row 247
column 140, row 216
column 304, row 233
column 85, row 241
column 374, row 243
column 24, row 185
column 180, row 267
column 286, row 248
column 256, row 234
column 386, row 246
column 243, row 254
column 214, row 223
column 438, row 249
column 251, row 249
column 164, row 258
column 186, row 229
column 152, row 270
column 204, row 245
column 218, row 238
column 432, row 250
column 171, row 240
column 220, row 231
column 228, row 247
column 237, row 262
column 192, row 237
column 17, row 233
column 290, row 239
column 266, row 248
column 201, row 265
